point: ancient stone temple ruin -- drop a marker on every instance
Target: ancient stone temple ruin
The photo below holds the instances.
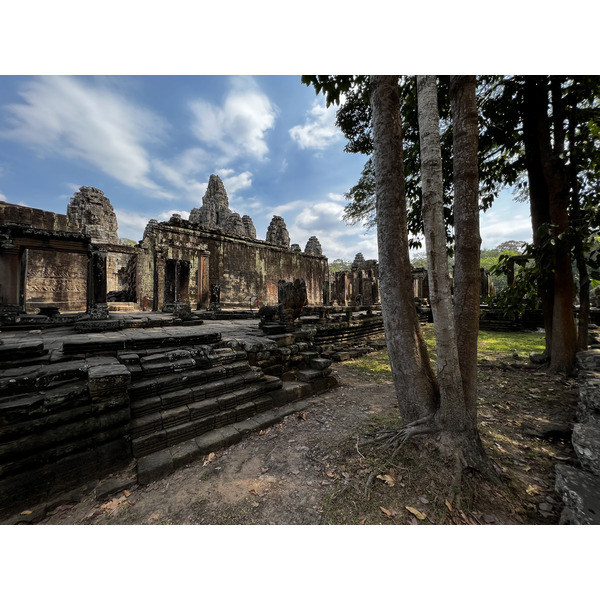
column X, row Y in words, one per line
column 177, row 261
column 141, row 358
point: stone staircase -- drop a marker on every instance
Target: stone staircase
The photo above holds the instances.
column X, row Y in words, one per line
column 57, row 428
column 146, row 401
column 187, row 392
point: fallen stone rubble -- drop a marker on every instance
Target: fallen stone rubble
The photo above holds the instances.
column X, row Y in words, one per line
column 580, row 487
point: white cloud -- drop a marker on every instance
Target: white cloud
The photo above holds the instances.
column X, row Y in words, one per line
column 239, row 126
column 319, row 129
column 167, row 214
column 88, row 121
column 337, row 238
column 3, row 197
column 505, row 222
column 131, row 225
column 234, row 183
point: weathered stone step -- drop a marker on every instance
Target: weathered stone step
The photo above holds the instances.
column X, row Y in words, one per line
column 123, row 306
column 30, row 412
column 10, row 351
column 308, row 375
column 174, row 382
column 39, row 377
column 137, row 339
column 192, row 411
column 194, row 394
column 165, row 461
column 169, row 427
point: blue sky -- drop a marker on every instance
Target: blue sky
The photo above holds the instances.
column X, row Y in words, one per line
column 151, row 142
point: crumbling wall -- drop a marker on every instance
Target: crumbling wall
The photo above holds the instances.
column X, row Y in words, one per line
column 40, row 219
column 243, row 268
column 254, row 269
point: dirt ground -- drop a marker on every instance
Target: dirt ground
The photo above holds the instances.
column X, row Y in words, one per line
column 320, row 467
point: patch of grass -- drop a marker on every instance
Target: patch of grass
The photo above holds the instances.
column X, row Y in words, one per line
column 492, row 345
column 373, row 366
column 498, row 344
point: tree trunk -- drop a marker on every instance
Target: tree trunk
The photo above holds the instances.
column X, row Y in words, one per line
column 413, row 375
column 584, row 276
column 467, row 279
column 535, row 102
column 452, row 408
column 564, row 332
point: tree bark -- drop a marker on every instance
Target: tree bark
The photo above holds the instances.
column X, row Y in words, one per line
column 534, row 102
column 414, row 380
column 564, row 332
column 451, row 415
column 584, row 276
column 467, row 280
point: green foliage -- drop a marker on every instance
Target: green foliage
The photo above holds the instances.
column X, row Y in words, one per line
column 361, row 198
column 340, row 265
column 419, row 260
column 489, row 259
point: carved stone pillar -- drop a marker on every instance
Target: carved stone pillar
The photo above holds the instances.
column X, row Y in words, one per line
column 97, row 307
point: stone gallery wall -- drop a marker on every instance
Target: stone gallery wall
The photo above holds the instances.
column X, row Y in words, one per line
column 60, row 279
column 40, row 219
column 178, row 261
column 243, row 268
column 56, row 279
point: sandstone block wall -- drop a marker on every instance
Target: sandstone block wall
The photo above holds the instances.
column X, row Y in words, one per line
column 56, row 279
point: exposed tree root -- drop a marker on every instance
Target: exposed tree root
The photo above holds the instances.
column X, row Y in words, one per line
column 466, row 450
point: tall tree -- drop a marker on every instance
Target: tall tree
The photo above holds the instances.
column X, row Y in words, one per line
column 449, row 408
column 440, row 294
column 467, row 281
column 414, row 379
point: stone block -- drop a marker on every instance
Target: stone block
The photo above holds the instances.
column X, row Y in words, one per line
column 185, row 453
column 309, row 375
column 588, row 407
column 320, row 364
column 107, row 379
column 340, row 356
column 589, row 360
column 180, row 433
column 154, row 466
column 175, row 416
column 203, row 408
column 149, row 443
column 145, row 406
column 145, row 425
column 176, row 398
column 225, row 417
column 586, row 442
column 204, row 425
column 212, row 441
column 579, row 492
column 244, row 411
column 263, row 403
column 290, row 392
column 247, row 426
